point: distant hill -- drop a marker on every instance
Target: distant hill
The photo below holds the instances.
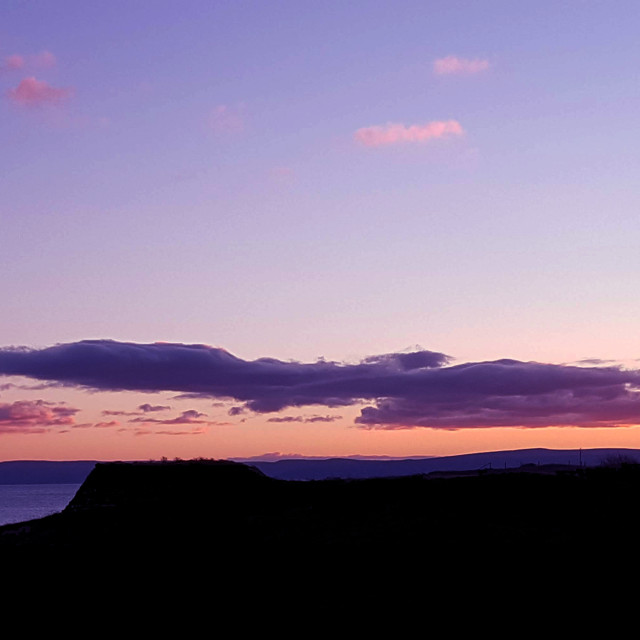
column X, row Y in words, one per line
column 321, row 469
column 75, row 472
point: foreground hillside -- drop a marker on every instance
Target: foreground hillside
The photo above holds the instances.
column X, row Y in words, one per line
column 221, row 514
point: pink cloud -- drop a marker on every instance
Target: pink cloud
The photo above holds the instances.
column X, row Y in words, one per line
column 42, row 60
column 26, row 416
column 14, row 62
column 399, row 133
column 225, row 119
column 31, row 92
column 453, row 64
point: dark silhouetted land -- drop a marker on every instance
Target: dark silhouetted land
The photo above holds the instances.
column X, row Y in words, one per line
column 222, row 515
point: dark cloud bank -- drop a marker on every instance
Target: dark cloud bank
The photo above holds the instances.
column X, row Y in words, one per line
column 403, row 390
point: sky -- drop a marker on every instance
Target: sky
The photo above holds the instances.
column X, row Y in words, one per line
column 318, row 228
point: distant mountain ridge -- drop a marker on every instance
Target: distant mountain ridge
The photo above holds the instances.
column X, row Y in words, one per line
column 75, row 472
column 315, row 469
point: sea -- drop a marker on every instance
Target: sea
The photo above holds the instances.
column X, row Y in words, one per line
column 22, row 502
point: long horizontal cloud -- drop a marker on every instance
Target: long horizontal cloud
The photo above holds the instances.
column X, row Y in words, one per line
column 403, row 390
column 399, row 133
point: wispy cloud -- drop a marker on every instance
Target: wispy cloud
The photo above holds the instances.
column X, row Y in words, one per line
column 194, row 431
column 191, row 416
column 13, row 63
column 110, row 412
column 106, row 425
column 17, row 61
column 32, row 93
column 461, row 66
column 305, row 419
column 153, row 408
column 399, row 133
column 142, row 410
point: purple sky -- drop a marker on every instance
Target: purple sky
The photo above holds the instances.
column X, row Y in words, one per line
column 321, row 180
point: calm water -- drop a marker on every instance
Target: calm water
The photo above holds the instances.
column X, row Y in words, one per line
column 20, row 502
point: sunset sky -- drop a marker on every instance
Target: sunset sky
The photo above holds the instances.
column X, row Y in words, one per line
column 318, row 228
